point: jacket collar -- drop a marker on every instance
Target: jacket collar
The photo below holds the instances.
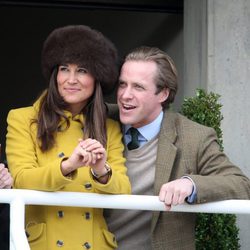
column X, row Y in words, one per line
column 166, row 154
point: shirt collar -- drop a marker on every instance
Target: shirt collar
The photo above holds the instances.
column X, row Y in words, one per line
column 150, row 130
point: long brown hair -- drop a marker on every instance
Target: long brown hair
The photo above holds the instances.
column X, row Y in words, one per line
column 51, row 112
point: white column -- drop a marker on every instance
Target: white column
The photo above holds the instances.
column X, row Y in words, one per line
column 195, row 46
column 217, row 58
column 229, row 75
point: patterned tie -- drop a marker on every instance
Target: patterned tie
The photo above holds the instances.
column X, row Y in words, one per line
column 134, row 142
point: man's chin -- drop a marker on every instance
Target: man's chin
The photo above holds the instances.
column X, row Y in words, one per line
column 125, row 120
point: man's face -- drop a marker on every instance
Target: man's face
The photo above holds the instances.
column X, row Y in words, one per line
column 136, row 98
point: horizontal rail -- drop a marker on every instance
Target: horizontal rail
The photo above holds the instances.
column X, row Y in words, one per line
column 138, row 202
column 18, row 198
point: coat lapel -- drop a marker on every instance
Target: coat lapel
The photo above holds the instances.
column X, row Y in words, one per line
column 166, row 154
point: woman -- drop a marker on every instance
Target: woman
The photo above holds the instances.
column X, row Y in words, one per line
column 5, row 183
column 65, row 143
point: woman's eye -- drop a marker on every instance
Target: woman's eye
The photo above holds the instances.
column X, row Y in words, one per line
column 63, row 68
column 82, row 70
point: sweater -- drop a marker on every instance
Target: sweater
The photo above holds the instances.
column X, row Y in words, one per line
column 132, row 227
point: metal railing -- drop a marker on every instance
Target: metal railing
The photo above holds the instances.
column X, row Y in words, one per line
column 18, row 198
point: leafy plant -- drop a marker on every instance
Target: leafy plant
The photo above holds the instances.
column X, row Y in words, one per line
column 213, row 231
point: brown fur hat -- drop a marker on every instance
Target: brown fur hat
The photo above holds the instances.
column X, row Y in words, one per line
column 86, row 47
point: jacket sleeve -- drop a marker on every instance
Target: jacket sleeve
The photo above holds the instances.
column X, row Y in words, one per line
column 119, row 181
column 21, row 151
column 216, row 178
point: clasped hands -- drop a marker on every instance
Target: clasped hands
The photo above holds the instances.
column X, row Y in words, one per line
column 88, row 152
column 175, row 192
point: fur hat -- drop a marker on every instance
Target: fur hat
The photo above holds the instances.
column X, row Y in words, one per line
column 89, row 48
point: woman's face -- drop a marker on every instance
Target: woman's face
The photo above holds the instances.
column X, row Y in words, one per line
column 75, row 85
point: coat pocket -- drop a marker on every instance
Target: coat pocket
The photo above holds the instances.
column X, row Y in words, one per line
column 36, row 234
column 110, row 239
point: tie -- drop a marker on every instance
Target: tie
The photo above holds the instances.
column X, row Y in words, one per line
column 134, row 142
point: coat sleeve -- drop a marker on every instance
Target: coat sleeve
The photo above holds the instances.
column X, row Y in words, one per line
column 216, row 177
column 21, row 151
column 119, row 181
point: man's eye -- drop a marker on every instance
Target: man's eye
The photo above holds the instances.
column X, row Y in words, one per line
column 139, row 87
column 122, row 84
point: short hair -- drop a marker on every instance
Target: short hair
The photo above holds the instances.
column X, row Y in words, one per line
column 166, row 76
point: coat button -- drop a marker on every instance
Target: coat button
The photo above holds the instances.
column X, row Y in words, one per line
column 87, row 245
column 59, row 243
column 60, row 155
column 87, row 215
column 60, row 214
column 88, row 186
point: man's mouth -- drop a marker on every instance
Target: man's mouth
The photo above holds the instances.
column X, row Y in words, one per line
column 128, row 106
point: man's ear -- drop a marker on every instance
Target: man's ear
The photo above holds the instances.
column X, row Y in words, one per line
column 163, row 95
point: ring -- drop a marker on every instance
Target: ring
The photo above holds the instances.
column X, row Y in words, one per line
column 84, row 149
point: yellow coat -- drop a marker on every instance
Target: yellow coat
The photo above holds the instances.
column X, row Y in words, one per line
column 53, row 227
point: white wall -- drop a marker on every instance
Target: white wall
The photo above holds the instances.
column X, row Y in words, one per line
column 217, row 40
column 229, row 75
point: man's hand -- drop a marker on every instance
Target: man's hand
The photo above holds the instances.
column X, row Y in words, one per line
column 175, row 192
column 6, row 180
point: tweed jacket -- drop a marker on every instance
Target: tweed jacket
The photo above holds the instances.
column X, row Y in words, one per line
column 186, row 148
column 51, row 227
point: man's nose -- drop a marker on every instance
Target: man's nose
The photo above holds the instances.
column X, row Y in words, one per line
column 127, row 93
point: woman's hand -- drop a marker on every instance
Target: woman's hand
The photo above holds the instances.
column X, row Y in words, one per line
column 6, row 180
column 89, row 152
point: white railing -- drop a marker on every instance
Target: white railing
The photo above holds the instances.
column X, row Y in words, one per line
column 18, row 198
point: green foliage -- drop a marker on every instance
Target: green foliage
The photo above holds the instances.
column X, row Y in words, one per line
column 216, row 231
column 204, row 109
column 213, row 231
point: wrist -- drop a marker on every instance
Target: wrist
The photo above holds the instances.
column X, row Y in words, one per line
column 66, row 167
column 106, row 171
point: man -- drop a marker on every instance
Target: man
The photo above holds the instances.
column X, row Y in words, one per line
column 175, row 158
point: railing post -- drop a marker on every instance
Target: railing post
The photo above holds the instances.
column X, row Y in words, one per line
column 18, row 239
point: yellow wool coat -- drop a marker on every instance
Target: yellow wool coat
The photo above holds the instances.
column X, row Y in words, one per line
column 53, row 227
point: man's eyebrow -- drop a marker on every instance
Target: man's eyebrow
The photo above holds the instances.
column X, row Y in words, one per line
column 121, row 80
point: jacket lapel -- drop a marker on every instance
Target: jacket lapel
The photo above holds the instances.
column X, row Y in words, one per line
column 166, row 154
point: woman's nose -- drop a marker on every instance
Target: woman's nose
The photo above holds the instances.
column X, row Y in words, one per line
column 72, row 78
